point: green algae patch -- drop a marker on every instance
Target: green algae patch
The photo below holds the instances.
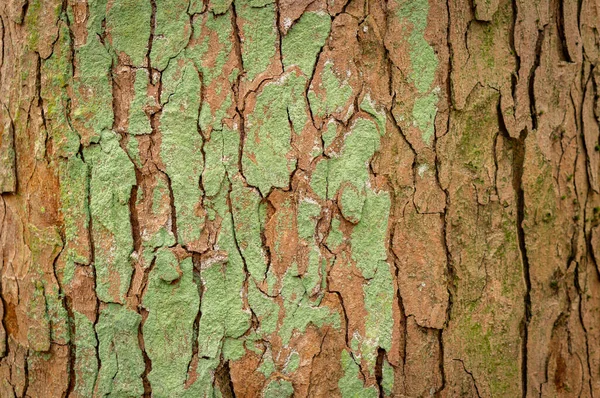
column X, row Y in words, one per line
column 336, row 236
column 350, row 384
column 221, row 158
column 299, row 311
column 92, row 112
column 279, row 107
column 222, row 309
column 348, row 171
column 74, row 187
column 332, row 95
column 265, row 308
column 128, row 23
column 318, row 179
column 57, row 73
column 278, row 389
column 293, row 363
column 172, row 302
column 139, row 122
column 219, row 6
column 424, row 64
column 245, row 202
column 86, row 364
column 379, row 323
column 422, row 57
column 171, row 33
column 424, row 111
column 387, row 378
column 260, row 36
column 112, row 178
column 38, row 331
column 119, row 352
column 370, row 234
column 181, row 146
column 304, row 40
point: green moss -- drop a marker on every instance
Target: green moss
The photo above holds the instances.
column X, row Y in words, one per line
column 304, row 40
column 266, row 160
column 424, row 64
column 128, row 22
column 203, row 386
column 308, row 214
column 112, row 177
column 278, row 389
column 172, row 302
column 350, row 384
column 266, row 310
column 370, row 107
column 172, row 31
column 370, row 234
column 119, row 352
column 349, row 167
column 260, row 35
column 181, row 147
column 38, row 330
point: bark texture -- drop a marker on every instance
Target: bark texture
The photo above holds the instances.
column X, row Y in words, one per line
column 299, row 198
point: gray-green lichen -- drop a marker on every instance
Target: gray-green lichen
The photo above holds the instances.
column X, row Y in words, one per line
column 181, row 146
column 172, row 302
column 119, row 352
column 112, row 178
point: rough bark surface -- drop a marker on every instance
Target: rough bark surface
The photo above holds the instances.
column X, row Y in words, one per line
column 299, row 198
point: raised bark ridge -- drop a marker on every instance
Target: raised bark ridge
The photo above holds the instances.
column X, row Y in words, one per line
column 299, row 197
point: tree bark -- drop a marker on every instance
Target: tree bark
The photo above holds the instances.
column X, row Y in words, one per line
column 308, row 198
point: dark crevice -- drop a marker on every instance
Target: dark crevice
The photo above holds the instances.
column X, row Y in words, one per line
column 223, row 380
column 379, row 370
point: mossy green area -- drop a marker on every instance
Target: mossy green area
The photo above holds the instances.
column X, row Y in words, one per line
column 351, row 385
column 181, row 146
column 280, row 107
column 74, row 188
column 334, row 93
column 112, row 178
column 304, row 40
column 172, row 301
column 138, row 121
column 424, row 64
column 172, row 32
column 260, row 35
column 128, row 23
column 222, row 309
column 119, row 352
column 86, row 362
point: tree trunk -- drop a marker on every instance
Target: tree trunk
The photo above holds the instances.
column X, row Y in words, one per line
column 323, row 198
